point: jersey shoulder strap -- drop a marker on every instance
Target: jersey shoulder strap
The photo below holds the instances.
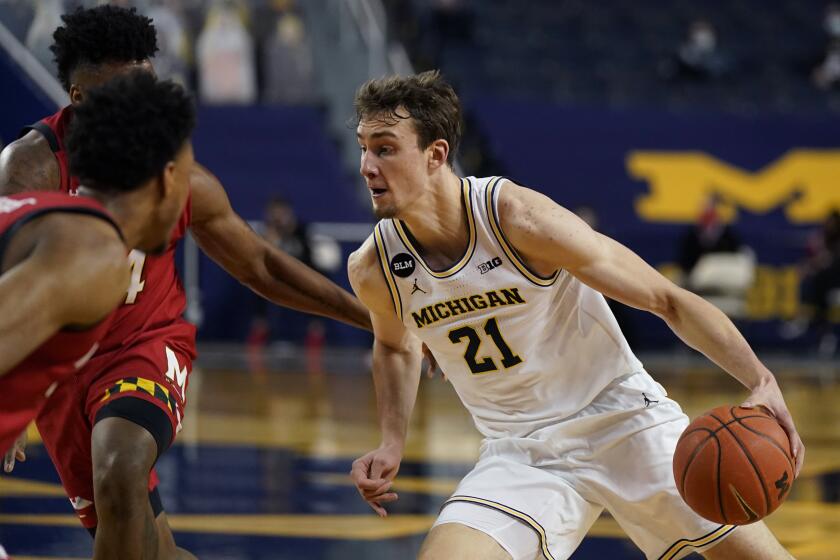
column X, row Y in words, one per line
column 6, row 236
column 45, row 131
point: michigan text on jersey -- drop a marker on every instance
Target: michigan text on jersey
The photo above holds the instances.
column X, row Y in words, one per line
column 804, row 182
column 453, row 307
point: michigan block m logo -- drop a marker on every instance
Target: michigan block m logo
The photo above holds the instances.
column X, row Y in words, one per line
column 805, row 182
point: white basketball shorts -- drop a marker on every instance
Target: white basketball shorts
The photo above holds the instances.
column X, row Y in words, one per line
column 538, row 496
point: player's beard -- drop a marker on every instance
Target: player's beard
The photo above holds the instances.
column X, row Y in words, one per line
column 385, row 211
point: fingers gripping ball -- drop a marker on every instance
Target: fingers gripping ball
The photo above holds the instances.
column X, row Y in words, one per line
column 734, row 465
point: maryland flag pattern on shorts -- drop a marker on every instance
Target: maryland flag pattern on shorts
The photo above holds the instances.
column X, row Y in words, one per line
column 147, row 386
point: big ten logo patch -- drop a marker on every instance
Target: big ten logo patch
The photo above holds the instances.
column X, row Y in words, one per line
column 486, row 267
column 803, row 182
column 403, row 265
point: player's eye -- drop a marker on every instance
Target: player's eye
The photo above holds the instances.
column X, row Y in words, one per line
column 384, row 150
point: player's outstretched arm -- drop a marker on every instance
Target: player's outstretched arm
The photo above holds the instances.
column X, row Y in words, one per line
column 28, row 164
column 268, row 271
column 550, row 237
column 396, row 376
column 75, row 274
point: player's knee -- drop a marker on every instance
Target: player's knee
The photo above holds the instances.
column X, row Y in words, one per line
column 123, row 456
column 120, row 481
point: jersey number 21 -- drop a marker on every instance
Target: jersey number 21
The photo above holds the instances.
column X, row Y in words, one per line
column 487, row 364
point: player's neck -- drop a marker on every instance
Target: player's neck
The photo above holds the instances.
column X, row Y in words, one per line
column 127, row 210
column 438, row 219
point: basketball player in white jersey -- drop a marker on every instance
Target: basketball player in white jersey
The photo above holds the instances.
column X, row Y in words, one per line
column 505, row 288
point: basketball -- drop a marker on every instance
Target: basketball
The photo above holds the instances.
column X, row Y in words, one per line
column 734, row 465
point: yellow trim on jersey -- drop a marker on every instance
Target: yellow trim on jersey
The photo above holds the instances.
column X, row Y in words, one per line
column 524, row 517
column 398, row 226
column 503, row 242
column 708, row 539
column 386, row 270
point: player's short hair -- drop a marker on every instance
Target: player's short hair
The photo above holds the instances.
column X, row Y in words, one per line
column 104, row 34
column 426, row 98
column 125, row 131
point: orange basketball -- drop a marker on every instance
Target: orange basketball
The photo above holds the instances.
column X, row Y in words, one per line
column 734, row 465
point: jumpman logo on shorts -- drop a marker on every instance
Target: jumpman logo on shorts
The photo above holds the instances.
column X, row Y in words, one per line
column 648, row 401
column 416, row 288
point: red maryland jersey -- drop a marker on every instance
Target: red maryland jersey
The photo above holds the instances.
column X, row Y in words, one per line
column 25, row 388
column 155, row 301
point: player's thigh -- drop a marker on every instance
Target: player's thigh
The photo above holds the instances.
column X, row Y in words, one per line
column 750, row 542
column 454, row 540
column 144, row 413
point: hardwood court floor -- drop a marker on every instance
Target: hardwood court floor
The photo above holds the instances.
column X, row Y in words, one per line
column 260, row 471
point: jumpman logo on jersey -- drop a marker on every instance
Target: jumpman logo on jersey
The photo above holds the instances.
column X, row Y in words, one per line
column 648, row 401
column 417, row 288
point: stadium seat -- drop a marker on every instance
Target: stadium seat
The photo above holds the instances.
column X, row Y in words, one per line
column 724, row 279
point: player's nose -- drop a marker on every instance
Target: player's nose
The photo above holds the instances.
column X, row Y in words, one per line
column 367, row 168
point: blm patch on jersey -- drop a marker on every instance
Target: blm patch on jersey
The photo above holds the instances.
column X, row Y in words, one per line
column 403, row 265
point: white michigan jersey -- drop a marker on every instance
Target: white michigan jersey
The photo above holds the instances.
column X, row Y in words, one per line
column 522, row 351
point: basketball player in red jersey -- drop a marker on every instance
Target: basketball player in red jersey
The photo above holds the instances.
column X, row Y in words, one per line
column 140, row 372
column 63, row 266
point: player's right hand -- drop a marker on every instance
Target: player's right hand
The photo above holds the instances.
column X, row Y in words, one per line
column 769, row 396
column 431, row 365
column 16, row 452
column 373, row 474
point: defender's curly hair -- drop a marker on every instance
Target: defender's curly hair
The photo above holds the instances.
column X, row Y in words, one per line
column 101, row 35
column 124, row 132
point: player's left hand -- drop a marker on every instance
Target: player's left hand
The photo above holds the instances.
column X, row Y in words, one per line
column 16, row 452
column 770, row 397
